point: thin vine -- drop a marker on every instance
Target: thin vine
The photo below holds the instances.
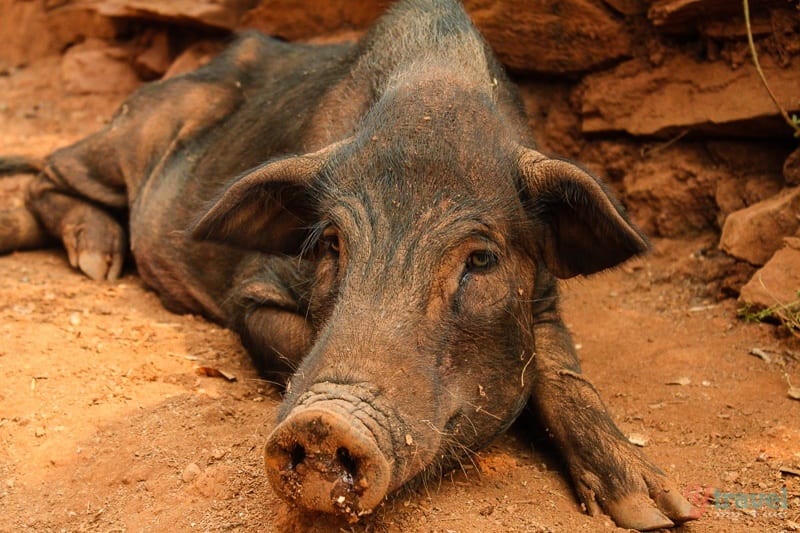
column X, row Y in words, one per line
column 794, row 120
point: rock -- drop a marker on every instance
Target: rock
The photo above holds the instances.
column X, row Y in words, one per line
column 301, row 20
column 791, row 168
column 551, row 36
column 683, row 94
column 778, row 281
column 190, row 473
column 96, row 67
column 680, row 16
column 193, row 57
column 670, row 192
column 71, row 24
column 737, row 193
column 555, row 125
column 753, row 234
column 154, row 61
column 753, row 170
column 31, row 30
column 224, row 14
column 547, row 36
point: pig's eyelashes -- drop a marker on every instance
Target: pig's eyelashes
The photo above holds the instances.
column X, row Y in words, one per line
column 481, row 261
column 330, row 242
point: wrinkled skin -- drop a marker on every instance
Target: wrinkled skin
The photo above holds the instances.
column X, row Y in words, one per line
column 374, row 222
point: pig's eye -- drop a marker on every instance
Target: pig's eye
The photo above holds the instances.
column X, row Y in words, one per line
column 481, row 261
column 330, row 242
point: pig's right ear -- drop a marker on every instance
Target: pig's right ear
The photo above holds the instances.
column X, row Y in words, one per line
column 265, row 209
column 584, row 230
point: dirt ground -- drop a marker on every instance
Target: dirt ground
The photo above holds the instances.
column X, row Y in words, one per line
column 106, row 424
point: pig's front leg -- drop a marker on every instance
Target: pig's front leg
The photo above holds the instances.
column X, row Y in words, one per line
column 267, row 308
column 95, row 242
column 608, row 472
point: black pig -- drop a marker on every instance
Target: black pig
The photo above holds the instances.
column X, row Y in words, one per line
column 374, row 221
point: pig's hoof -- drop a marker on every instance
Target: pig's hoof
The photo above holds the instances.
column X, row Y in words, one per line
column 651, row 502
column 96, row 250
column 100, row 266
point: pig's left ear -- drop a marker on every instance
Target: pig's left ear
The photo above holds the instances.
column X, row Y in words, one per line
column 584, row 229
column 266, row 208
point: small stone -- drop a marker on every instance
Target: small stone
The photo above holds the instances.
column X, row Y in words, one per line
column 190, row 473
column 218, row 454
column 680, row 381
column 638, row 439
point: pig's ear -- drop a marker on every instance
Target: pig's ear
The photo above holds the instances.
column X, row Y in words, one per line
column 266, row 208
column 584, row 229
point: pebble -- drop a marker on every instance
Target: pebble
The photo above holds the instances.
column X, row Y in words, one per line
column 190, row 473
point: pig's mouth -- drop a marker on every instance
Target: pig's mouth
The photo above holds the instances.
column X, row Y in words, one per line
column 334, row 452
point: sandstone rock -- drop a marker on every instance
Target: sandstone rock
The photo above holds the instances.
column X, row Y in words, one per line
column 96, row 67
column 548, row 36
column 681, row 15
column 301, row 20
column 683, row 94
column 778, row 281
column 551, row 36
column 555, row 125
column 154, row 61
column 31, row 30
column 224, row 14
column 753, row 234
column 737, row 193
column 194, row 57
column 749, row 157
column 753, row 173
column 670, row 192
column 791, row 168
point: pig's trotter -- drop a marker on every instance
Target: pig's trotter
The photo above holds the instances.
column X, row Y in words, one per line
column 277, row 339
column 94, row 241
column 269, row 313
column 609, row 473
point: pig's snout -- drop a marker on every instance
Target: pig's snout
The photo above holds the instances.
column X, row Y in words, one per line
column 328, row 461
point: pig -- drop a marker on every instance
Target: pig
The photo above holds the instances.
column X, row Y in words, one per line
column 375, row 222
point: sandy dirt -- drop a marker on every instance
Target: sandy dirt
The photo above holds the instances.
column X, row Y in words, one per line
column 106, row 424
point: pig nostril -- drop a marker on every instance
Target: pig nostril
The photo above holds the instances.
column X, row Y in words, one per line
column 347, row 461
column 298, row 455
column 324, row 460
